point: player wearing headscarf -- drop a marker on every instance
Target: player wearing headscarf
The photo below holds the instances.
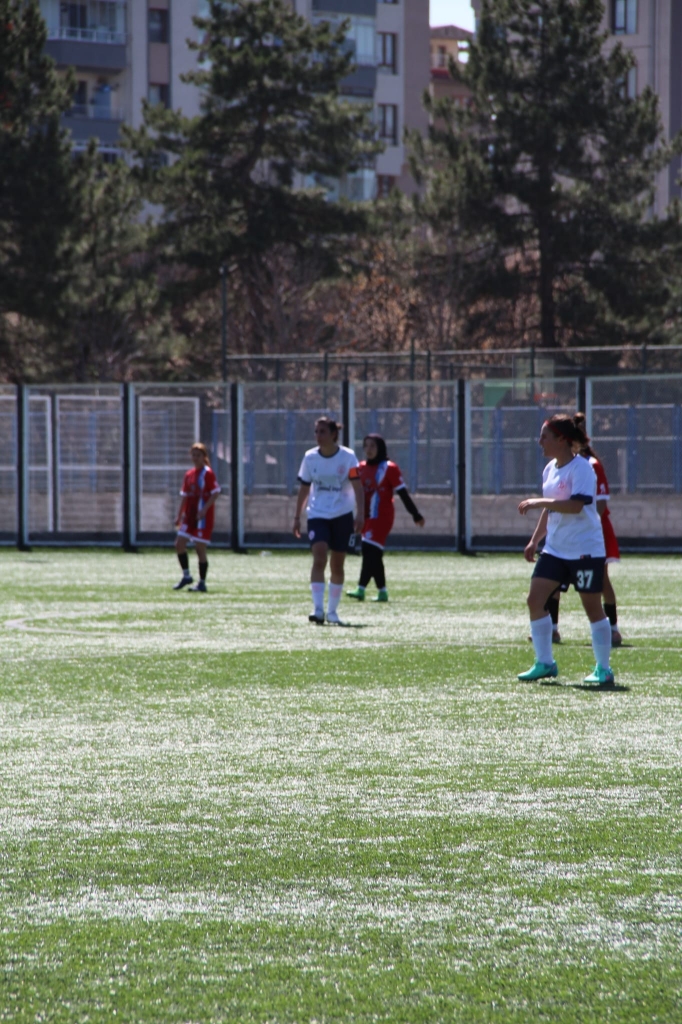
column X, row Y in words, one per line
column 380, row 479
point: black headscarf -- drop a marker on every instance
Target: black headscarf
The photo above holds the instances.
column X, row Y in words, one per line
column 382, row 454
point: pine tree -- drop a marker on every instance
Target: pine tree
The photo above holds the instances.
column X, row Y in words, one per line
column 237, row 182
column 36, row 169
column 106, row 325
column 541, row 190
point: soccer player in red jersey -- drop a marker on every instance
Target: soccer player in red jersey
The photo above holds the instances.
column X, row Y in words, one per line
column 381, row 479
column 194, row 524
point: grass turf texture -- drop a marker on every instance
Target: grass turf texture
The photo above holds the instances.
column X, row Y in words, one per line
column 214, row 811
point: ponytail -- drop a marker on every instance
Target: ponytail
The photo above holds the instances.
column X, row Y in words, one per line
column 585, row 447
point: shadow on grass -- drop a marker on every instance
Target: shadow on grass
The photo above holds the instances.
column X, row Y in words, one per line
column 558, row 685
column 614, row 688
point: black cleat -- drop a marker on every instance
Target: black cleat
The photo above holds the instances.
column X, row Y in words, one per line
column 200, row 588
column 317, row 619
column 184, row 582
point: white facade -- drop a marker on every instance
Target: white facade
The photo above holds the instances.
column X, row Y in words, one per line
column 652, row 31
column 125, row 52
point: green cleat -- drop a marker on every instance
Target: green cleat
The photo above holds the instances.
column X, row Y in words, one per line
column 382, row 597
column 600, row 677
column 540, row 670
column 358, row 593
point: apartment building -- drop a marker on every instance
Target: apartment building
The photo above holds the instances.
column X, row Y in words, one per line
column 123, row 52
column 448, row 42
column 652, row 31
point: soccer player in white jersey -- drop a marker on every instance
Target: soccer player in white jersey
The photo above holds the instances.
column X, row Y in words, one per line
column 574, row 549
column 330, row 497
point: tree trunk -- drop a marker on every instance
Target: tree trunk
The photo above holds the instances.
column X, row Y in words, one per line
column 546, row 281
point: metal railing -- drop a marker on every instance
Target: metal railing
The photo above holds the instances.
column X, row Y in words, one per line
column 93, row 111
column 87, row 35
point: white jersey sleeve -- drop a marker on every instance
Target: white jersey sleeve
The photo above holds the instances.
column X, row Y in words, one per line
column 583, row 480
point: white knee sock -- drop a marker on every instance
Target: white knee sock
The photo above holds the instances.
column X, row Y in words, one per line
column 335, row 590
column 541, row 632
column 317, row 590
column 601, row 642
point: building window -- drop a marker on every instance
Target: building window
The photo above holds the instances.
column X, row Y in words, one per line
column 158, row 95
column 387, row 50
column 361, row 39
column 385, row 184
column 624, row 17
column 74, row 16
column 628, row 86
column 100, row 21
column 158, row 26
column 388, row 122
column 80, row 97
column 442, row 57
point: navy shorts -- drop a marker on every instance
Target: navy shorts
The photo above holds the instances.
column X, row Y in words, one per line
column 334, row 532
column 586, row 573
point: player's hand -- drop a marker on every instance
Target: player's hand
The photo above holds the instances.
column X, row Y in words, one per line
column 297, row 527
column 420, row 522
column 359, row 524
column 529, row 503
column 529, row 551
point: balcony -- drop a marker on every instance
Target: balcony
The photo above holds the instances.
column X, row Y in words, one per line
column 366, row 7
column 85, row 120
column 95, row 111
column 93, row 48
column 361, row 82
column 89, row 35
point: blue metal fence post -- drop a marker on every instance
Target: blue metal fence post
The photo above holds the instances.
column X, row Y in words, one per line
column 237, row 466
column 460, row 480
column 677, row 448
column 348, row 413
column 129, row 468
column 291, row 469
column 22, row 456
column 632, row 452
column 414, row 448
column 498, row 451
column 250, row 431
column 543, row 415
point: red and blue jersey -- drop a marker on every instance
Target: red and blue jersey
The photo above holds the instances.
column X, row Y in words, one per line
column 197, row 488
column 380, row 481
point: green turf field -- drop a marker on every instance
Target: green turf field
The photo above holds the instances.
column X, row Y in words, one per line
column 214, row 811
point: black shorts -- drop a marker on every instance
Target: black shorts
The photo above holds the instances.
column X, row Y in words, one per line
column 586, row 573
column 334, row 532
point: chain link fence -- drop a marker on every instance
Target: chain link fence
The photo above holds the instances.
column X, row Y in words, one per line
column 505, row 461
column 105, row 464
column 168, row 420
column 8, row 463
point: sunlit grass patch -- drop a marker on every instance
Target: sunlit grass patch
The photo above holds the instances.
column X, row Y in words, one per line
column 213, row 811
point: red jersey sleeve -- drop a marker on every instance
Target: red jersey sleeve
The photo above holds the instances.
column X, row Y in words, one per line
column 394, row 476
column 602, row 482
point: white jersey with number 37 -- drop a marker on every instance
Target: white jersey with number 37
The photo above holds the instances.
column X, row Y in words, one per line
column 572, row 536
